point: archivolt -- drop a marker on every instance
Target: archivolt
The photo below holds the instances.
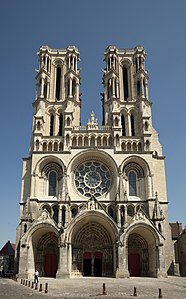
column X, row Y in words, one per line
column 92, row 234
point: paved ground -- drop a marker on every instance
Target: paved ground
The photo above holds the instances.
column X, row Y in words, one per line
column 92, row 288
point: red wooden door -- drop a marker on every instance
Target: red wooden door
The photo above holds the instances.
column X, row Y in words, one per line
column 134, row 264
column 87, row 258
column 50, row 265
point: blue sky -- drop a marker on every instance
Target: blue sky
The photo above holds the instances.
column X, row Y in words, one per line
column 160, row 26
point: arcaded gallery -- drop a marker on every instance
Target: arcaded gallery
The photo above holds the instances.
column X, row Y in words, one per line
column 93, row 199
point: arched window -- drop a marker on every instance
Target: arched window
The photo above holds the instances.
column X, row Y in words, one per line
column 55, row 214
column 38, row 126
column 132, row 178
column 25, row 228
column 115, row 87
column 55, row 146
column 123, row 125
column 99, row 141
column 45, row 90
column 144, row 88
column 44, row 146
column 136, row 179
column 132, row 125
column 68, row 88
column 73, row 87
column 134, row 146
column 123, row 147
column 74, row 141
column 58, row 82
column 68, row 121
column 74, row 212
column 104, row 141
column 122, row 215
column 139, row 146
column 128, row 146
column 111, row 212
column 50, row 146
column 39, row 87
column 47, row 64
column 130, row 211
column 109, row 89
column 138, row 88
column 60, row 124
column 147, row 145
column 52, row 179
column 110, row 141
column 37, row 145
column 67, row 140
column 63, row 215
column 86, row 141
column 136, row 63
column 116, row 122
column 80, row 141
column 92, row 141
column 125, row 83
column 117, row 140
column 146, row 126
column 51, row 125
column 60, row 146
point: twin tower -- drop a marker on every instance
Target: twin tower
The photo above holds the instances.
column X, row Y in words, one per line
column 93, row 200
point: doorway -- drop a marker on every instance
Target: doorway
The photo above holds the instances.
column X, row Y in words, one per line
column 92, row 251
column 87, row 264
column 134, row 264
column 50, row 267
column 98, row 264
column 138, row 257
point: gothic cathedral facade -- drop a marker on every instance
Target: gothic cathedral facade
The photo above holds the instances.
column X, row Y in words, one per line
column 93, row 199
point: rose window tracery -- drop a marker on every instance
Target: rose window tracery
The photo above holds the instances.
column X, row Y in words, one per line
column 92, row 178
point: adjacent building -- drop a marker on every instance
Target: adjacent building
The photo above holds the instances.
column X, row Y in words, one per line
column 93, row 200
column 7, row 254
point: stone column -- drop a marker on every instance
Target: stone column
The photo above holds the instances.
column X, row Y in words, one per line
column 113, row 88
column 160, row 257
column 70, row 87
column 125, row 220
column 150, row 186
column 142, row 88
column 77, row 91
column 48, row 89
column 42, row 88
column 129, row 124
column 63, row 267
column 118, row 216
column 60, row 216
column 122, row 271
column 23, row 262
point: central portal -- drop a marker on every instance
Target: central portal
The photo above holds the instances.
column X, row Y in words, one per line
column 92, row 264
column 92, row 251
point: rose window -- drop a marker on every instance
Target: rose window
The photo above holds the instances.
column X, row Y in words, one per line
column 92, row 178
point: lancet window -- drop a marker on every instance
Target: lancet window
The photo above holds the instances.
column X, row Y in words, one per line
column 58, row 82
column 125, row 83
column 52, row 180
column 51, row 125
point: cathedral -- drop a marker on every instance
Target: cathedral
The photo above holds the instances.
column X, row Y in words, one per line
column 93, row 198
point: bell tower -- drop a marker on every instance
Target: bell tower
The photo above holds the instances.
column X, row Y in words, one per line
column 57, row 102
column 126, row 105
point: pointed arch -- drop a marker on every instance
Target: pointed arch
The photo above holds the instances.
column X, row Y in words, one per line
column 58, row 83
column 123, row 126
column 132, row 124
column 51, row 124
